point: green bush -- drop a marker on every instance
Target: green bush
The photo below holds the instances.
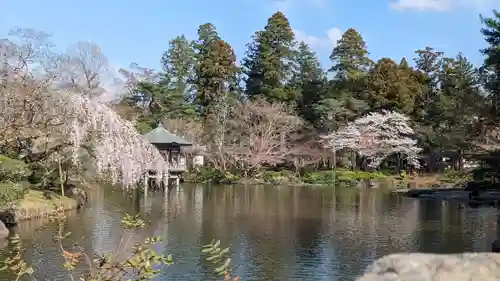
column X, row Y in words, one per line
column 271, row 176
column 12, row 191
column 143, row 127
column 341, row 175
column 278, row 177
column 230, row 177
column 210, row 175
column 13, row 169
column 453, row 176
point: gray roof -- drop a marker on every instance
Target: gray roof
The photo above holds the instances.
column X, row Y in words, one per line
column 161, row 136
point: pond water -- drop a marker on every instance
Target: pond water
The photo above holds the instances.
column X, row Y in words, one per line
column 275, row 233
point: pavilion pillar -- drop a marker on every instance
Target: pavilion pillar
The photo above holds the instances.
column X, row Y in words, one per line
column 146, row 177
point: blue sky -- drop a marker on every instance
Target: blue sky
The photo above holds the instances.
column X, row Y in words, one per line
column 139, row 31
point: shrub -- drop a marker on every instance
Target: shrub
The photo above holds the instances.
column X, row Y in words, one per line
column 341, row 175
column 13, row 169
column 210, row 175
column 11, row 192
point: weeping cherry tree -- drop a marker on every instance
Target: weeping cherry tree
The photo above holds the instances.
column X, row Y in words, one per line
column 42, row 119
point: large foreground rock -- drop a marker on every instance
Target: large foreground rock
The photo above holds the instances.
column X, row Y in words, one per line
column 433, row 267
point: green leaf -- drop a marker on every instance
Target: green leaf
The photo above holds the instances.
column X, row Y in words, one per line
column 207, row 250
column 224, row 266
column 224, row 251
column 216, row 244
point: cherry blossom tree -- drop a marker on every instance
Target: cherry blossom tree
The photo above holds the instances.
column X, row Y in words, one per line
column 376, row 136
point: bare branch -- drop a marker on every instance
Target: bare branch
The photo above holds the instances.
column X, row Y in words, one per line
column 261, row 134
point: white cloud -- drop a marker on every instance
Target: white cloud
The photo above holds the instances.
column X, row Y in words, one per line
column 441, row 5
column 329, row 40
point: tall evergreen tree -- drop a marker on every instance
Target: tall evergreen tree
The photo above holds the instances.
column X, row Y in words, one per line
column 350, row 65
column 215, row 71
column 310, row 81
column 391, row 86
column 428, row 63
column 457, row 107
column 491, row 67
column 270, row 61
column 178, row 63
column 350, row 57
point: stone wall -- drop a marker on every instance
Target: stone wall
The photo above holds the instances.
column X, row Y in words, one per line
column 434, row 267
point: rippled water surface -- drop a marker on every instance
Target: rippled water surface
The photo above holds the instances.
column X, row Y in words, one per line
column 275, row 233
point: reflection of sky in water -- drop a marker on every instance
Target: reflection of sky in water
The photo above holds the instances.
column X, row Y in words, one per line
column 274, row 233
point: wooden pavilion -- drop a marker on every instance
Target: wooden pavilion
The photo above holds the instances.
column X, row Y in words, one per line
column 170, row 147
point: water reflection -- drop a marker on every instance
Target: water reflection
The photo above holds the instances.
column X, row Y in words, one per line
column 275, row 233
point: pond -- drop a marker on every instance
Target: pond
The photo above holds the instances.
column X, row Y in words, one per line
column 275, row 233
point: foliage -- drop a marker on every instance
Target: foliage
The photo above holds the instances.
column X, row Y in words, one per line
column 269, row 60
column 457, row 177
column 327, row 177
column 218, row 256
column 13, row 169
column 282, row 177
column 205, row 174
column 488, row 170
column 15, row 261
column 210, row 175
column 10, row 192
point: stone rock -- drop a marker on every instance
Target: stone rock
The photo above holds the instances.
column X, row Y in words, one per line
column 434, row 267
column 77, row 193
column 4, row 231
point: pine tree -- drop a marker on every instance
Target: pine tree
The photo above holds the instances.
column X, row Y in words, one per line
column 215, row 71
column 310, row 81
column 269, row 62
column 350, row 56
column 428, row 63
column 491, row 67
column 350, row 65
column 178, row 63
column 391, row 87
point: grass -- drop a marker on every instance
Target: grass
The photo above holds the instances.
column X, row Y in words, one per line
column 35, row 205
